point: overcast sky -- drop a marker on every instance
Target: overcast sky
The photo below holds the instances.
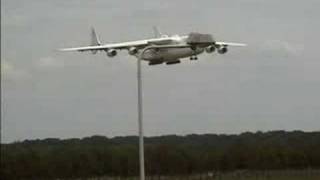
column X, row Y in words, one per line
column 272, row 84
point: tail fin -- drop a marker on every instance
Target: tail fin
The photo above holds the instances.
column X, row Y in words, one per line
column 156, row 32
column 94, row 40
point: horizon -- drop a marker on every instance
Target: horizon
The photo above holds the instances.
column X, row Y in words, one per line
column 157, row 136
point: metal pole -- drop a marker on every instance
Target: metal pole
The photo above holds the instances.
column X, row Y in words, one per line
column 140, row 107
column 140, row 118
column 140, row 114
column 140, row 110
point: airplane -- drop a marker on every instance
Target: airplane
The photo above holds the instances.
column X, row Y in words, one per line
column 162, row 48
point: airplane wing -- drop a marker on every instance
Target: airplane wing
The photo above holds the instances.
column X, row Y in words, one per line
column 230, row 44
column 124, row 45
column 96, row 44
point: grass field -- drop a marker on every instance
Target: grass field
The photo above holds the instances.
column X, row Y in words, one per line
column 236, row 175
column 270, row 175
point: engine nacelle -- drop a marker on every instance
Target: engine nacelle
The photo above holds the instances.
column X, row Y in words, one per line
column 210, row 49
column 111, row 52
column 133, row 50
column 222, row 50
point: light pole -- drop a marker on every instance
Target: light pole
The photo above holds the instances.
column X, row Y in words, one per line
column 140, row 107
column 140, row 116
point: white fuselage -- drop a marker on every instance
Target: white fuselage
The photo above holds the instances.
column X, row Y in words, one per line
column 171, row 54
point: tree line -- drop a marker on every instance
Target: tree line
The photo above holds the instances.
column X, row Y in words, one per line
column 164, row 155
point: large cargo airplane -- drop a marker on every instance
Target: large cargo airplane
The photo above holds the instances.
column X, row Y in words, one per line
column 162, row 48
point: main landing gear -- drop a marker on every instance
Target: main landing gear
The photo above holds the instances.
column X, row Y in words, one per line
column 192, row 58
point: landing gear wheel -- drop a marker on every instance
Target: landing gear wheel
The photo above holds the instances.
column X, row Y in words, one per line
column 193, row 58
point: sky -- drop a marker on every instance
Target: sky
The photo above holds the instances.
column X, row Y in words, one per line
column 272, row 84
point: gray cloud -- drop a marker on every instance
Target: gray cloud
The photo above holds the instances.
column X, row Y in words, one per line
column 49, row 62
column 271, row 84
column 281, row 48
column 9, row 72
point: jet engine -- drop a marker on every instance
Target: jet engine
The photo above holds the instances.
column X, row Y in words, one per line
column 111, row 52
column 133, row 50
column 210, row 49
column 222, row 49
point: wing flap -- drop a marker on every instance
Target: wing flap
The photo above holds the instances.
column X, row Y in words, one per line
column 84, row 48
column 124, row 45
column 230, row 44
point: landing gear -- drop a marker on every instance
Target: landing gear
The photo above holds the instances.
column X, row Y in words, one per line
column 192, row 58
column 173, row 62
column 152, row 63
